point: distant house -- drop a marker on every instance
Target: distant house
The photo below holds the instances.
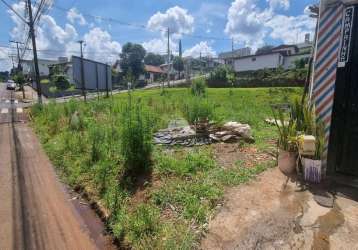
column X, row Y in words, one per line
column 28, row 67
column 153, row 73
column 271, row 60
column 288, row 50
column 227, row 57
column 283, row 56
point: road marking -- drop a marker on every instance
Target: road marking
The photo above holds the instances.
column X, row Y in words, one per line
column 4, row 111
column 19, row 110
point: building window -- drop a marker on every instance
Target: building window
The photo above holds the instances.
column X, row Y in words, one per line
column 253, row 59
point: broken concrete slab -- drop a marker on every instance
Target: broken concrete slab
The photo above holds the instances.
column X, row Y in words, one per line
column 208, row 133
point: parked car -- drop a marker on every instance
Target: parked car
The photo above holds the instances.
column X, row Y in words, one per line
column 10, row 85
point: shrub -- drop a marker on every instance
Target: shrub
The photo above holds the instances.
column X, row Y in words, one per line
column 197, row 109
column 198, row 87
column 61, row 82
column 219, row 74
column 136, row 137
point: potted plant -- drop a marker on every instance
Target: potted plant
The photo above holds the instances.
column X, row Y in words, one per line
column 312, row 166
column 287, row 156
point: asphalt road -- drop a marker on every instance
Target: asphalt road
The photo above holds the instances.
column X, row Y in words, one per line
column 35, row 211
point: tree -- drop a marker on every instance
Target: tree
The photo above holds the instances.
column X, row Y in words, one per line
column 19, row 79
column 180, row 49
column 300, row 63
column 132, row 58
column 178, row 64
column 153, row 59
column 264, row 49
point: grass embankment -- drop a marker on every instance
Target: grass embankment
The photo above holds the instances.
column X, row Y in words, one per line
column 168, row 206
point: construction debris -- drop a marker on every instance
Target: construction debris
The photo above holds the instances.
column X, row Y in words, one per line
column 204, row 134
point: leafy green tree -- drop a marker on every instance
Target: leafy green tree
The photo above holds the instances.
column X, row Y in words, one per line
column 300, row 63
column 19, row 79
column 132, row 59
column 153, row 59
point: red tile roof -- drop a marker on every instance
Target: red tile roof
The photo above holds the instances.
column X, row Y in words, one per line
column 153, row 69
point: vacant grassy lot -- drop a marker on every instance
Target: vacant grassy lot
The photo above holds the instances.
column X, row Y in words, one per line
column 168, row 206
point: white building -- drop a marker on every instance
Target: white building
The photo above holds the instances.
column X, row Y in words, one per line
column 283, row 56
column 270, row 60
column 227, row 57
column 28, row 66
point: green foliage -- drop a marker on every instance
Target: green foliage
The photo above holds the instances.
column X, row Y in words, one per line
column 188, row 165
column 300, row 63
column 304, row 117
column 198, row 87
column 142, row 223
column 45, row 81
column 178, row 64
column 220, row 74
column 136, row 137
column 286, row 130
column 320, row 140
column 153, row 59
column 19, row 79
column 61, row 82
column 186, row 184
column 132, row 58
column 197, row 110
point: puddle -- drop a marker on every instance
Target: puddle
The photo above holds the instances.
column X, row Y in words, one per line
column 328, row 224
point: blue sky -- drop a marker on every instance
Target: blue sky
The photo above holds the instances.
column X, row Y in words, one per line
column 203, row 26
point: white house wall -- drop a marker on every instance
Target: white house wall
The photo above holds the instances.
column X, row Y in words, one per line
column 271, row 61
column 289, row 61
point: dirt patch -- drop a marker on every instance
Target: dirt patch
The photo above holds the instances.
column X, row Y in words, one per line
column 228, row 155
column 270, row 214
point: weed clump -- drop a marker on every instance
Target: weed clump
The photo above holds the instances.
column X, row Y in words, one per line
column 136, row 138
column 198, row 87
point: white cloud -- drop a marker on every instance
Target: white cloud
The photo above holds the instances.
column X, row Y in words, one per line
column 54, row 40
column 203, row 47
column 100, row 46
column 73, row 15
column 276, row 4
column 177, row 19
column 5, row 62
column 160, row 46
column 294, row 29
column 250, row 26
column 246, row 23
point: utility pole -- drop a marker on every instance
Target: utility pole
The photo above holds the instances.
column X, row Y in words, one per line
column 18, row 54
column 82, row 72
column 168, row 70
column 201, row 65
column 37, row 71
column 232, row 53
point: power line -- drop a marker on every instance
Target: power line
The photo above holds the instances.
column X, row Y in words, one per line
column 141, row 26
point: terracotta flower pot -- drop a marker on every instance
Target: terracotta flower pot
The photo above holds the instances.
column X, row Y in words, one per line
column 287, row 162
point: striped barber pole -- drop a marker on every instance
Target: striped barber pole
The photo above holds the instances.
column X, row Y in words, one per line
column 325, row 68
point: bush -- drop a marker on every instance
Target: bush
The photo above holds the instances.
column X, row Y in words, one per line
column 198, row 87
column 197, row 109
column 61, row 82
column 136, row 137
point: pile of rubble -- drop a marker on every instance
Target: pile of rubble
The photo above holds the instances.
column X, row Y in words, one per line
column 204, row 134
